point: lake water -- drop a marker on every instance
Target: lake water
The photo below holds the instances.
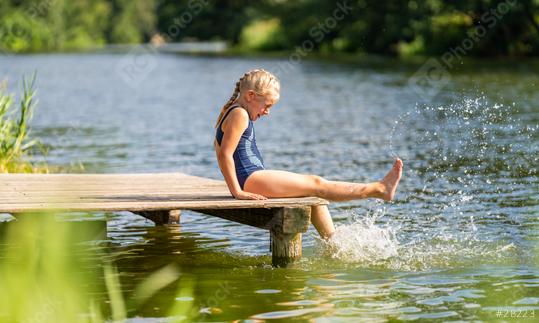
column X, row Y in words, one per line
column 460, row 242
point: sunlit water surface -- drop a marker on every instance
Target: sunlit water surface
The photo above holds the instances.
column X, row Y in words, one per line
column 459, row 242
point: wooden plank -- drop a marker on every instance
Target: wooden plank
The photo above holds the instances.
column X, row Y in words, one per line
column 159, row 197
column 155, row 182
column 112, row 199
column 30, row 180
column 129, row 192
column 100, row 175
column 45, row 194
column 105, row 187
column 102, row 189
column 178, row 191
column 34, row 178
column 202, row 204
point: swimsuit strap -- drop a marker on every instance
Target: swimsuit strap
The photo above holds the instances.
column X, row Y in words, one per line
column 233, row 106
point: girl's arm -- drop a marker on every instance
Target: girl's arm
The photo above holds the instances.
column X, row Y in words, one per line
column 233, row 127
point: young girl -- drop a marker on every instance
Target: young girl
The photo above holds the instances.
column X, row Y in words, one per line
column 243, row 167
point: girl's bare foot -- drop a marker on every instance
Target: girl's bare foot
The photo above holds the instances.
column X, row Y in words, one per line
column 391, row 180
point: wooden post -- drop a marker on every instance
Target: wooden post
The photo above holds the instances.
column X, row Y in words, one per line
column 288, row 224
column 285, row 225
column 285, row 248
column 161, row 217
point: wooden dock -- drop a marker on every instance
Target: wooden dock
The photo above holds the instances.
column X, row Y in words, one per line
column 160, row 197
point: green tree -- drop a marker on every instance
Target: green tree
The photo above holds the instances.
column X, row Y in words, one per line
column 386, row 27
column 133, row 21
column 203, row 19
column 86, row 23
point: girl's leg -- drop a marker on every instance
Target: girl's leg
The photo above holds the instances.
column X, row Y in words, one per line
column 271, row 183
column 276, row 183
column 322, row 221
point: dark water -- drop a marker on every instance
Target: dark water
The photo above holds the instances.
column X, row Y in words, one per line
column 459, row 243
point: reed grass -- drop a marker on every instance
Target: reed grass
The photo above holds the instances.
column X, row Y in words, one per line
column 47, row 274
column 44, row 269
column 16, row 145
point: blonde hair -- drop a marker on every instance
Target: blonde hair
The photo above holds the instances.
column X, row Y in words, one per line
column 260, row 81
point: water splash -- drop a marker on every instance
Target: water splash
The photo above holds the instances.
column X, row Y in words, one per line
column 366, row 243
column 467, row 138
column 362, row 241
column 463, row 163
column 474, row 156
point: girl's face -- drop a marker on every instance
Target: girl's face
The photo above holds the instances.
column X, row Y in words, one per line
column 259, row 105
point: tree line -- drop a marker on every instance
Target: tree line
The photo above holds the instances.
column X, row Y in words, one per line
column 386, row 27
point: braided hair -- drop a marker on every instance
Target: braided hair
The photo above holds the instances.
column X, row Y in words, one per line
column 259, row 80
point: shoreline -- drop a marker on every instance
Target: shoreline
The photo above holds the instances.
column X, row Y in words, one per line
column 356, row 59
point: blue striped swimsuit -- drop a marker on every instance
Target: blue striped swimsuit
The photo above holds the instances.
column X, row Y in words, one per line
column 247, row 158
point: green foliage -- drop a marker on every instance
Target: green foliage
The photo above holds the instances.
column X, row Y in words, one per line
column 204, row 19
column 15, row 143
column 32, row 25
column 409, row 27
column 133, row 21
column 449, row 30
column 19, row 32
column 38, row 272
column 88, row 21
column 416, row 47
column 46, row 275
column 263, row 35
column 371, row 26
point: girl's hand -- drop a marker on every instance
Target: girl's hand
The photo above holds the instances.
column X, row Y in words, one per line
column 249, row 196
